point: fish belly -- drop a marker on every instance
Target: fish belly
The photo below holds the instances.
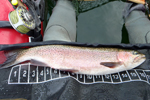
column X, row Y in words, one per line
column 80, row 60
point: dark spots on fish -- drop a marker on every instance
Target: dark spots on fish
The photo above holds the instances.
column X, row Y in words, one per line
column 111, row 64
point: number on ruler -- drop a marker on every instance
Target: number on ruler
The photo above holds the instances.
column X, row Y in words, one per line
column 80, row 76
column 115, row 76
column 47, row 71
column 64, row 72
column 148, row 76
column 133, row 74
column 24, row 73
column 15, row 73
column 55, row 71
column 89, row 77
column 42, row 73
column 33, row 73
column 142, row 74
column 124, row 75
column 97, row 76
column 107, row 76
column 72, row 73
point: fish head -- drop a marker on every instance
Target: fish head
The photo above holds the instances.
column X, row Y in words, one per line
column 131, row 59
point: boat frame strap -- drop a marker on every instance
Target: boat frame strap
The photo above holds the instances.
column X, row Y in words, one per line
column 5, row 24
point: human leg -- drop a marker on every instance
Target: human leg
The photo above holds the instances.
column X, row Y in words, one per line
column 62, row 23
column 138, row 26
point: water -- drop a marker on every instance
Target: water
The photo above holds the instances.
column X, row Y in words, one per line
column 98, row 21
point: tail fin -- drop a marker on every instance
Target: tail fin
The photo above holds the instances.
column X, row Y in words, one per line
column 8, row 58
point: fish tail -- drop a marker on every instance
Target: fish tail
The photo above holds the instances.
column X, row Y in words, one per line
column 8, row 58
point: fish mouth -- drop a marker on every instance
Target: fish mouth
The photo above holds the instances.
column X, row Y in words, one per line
column 136, row 59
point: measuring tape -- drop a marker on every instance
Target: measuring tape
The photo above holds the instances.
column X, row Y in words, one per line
column 30, row 74
column 21, row 20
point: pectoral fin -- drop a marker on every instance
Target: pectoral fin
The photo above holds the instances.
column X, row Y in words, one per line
column 111, row 64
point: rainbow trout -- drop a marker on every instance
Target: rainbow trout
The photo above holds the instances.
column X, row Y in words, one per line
column 76, row 59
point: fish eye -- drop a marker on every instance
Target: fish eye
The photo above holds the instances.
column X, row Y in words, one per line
column 135, row 53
